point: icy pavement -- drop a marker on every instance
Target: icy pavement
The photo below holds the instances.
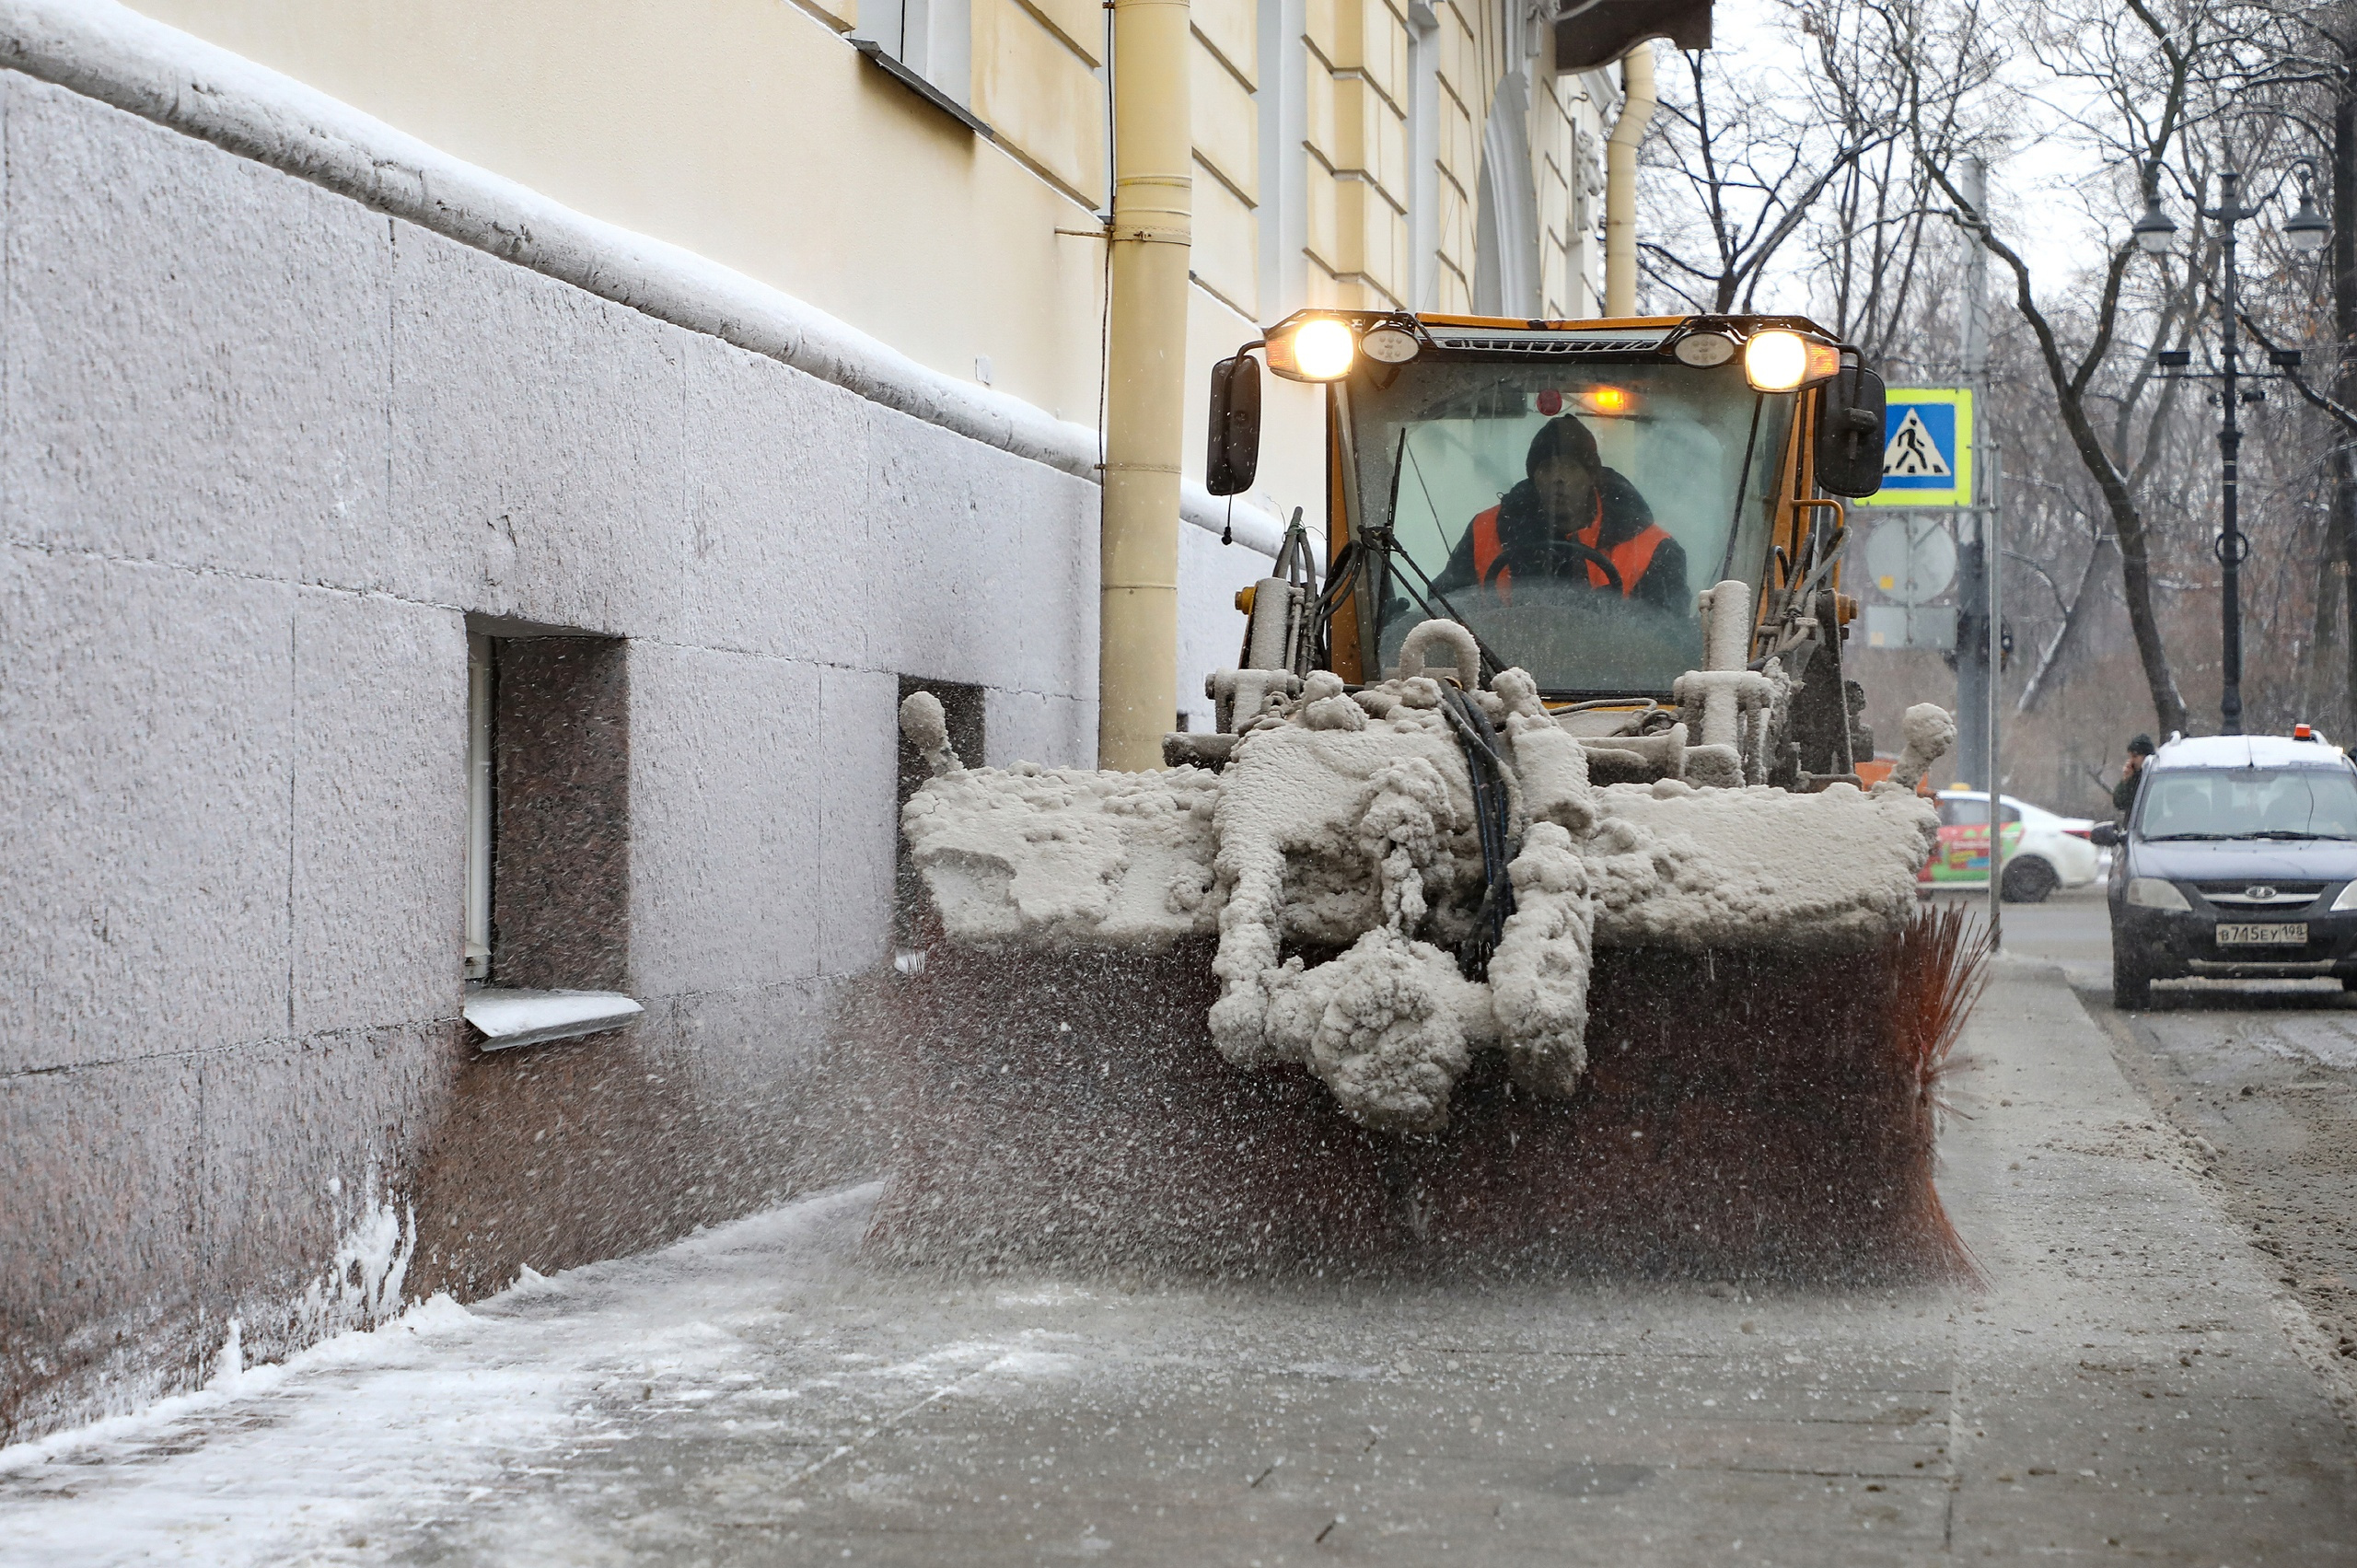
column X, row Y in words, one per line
column 2131, row 1382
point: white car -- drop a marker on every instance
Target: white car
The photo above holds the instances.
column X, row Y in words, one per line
column 2043, row 851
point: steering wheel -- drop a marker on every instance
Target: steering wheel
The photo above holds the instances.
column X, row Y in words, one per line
column 1563, row 558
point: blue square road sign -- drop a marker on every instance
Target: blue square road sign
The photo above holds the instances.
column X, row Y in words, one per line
column 1927, row 448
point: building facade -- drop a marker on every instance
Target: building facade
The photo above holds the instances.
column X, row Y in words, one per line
column 477, row 482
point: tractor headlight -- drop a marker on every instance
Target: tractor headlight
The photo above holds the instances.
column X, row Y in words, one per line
column 2153, row 893
column 1778, row 361
column 1320, row 349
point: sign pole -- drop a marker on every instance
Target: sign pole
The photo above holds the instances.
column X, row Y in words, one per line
column 1980, row 660
column 1991, row 530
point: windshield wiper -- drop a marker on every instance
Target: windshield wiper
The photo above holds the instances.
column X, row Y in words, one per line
column 2262, row 834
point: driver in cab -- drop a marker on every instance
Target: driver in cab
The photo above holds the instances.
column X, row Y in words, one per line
column 1574, row 520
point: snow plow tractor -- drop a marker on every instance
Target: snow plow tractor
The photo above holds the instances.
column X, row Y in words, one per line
column 1524, row 911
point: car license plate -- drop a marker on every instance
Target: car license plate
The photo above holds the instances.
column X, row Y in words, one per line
column 2261, row 936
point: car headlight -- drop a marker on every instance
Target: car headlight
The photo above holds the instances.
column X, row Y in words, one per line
column 2347, row 901
column 2153, row 893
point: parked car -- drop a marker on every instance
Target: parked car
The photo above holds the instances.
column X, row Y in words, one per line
column 2239, row 861
column 2043, row 851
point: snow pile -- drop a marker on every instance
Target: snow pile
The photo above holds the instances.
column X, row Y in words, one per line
column 1538, row 975
column 1930, row 735
column 1061, row 855
column 362, row 1286
column 1346, row 820
column 1679, row 868
column 1312, row 801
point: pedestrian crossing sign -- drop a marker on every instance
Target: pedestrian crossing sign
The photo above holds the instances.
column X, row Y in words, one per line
column 1927, row 448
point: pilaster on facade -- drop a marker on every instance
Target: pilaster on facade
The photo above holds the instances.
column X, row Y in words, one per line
column 1395, row 109
column 1225, row 66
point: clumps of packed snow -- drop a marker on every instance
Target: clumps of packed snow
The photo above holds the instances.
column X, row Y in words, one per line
column 362, row 1285
column 1690, row 869
column 1538, row 975
column 360, row 1289
column 1389, row 1025
column 1345, row 820
column 1061, row 855
column 1930, row 735
column 1385, row 1024
column 927, row 728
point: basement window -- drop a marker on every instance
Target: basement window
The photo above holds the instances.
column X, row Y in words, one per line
column 548, row 834
column 927, row 46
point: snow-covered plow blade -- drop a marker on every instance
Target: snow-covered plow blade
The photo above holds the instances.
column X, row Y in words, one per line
column 1400, row 983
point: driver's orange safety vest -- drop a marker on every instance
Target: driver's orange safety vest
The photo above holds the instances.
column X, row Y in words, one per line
column 1630, row 557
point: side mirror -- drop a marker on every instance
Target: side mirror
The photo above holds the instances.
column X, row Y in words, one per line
column 1849, row 433
column 2105, row 835
column 1234, row 460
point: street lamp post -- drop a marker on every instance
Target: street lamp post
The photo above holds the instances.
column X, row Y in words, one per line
column 2305, row 229
column 2232, row 548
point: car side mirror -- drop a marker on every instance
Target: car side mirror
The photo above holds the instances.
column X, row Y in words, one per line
column 1234, row 460
column 1849, row 411
column 2105, row 835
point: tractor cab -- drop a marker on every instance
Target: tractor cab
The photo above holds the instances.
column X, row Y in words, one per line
column 1563, row 490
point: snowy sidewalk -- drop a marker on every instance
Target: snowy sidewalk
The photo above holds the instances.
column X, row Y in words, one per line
column 2132, row 1383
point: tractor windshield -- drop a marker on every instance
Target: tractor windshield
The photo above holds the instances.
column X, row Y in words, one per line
column 1568, row 514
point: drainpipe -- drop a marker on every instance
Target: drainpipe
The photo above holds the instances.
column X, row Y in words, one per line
column 1137, row 680
column 1637, row 105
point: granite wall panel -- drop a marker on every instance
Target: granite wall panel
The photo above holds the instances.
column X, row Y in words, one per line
column 264, row 455
column 196, row 347
column 536, row 448
column 858, row 816
column 379, row 809
column 99, row 1244
column 725, row 843
column 779, row 558
column 146, row 803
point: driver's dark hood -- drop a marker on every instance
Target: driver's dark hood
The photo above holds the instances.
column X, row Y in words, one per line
column 2261, row 860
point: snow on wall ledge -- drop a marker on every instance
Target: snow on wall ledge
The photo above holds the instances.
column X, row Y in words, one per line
column 107, row 51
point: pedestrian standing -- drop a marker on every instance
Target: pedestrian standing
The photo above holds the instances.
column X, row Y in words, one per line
column 2123, row 794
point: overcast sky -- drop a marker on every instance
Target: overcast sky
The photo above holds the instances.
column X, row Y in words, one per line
column 2039, row 173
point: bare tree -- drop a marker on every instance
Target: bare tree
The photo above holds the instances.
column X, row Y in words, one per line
column 1732, row 173
column 2140, row 69
column 1867, row 235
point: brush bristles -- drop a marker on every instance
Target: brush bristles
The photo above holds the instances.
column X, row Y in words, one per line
column 1761, row 1116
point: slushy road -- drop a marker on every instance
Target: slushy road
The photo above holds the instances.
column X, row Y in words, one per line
column 2262, row 1077
column 2135, row 1381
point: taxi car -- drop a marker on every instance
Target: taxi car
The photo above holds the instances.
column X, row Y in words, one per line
column 2238, row 861
column 2043, row 851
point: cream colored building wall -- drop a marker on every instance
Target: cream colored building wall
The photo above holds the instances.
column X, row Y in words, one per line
column 1359, row 143
column 1568, row 124
column 1224, row 77
column 1355, row 87
column 1472, row 59
column 749, row 131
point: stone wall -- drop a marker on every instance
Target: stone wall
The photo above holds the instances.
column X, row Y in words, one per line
column 265, row 455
